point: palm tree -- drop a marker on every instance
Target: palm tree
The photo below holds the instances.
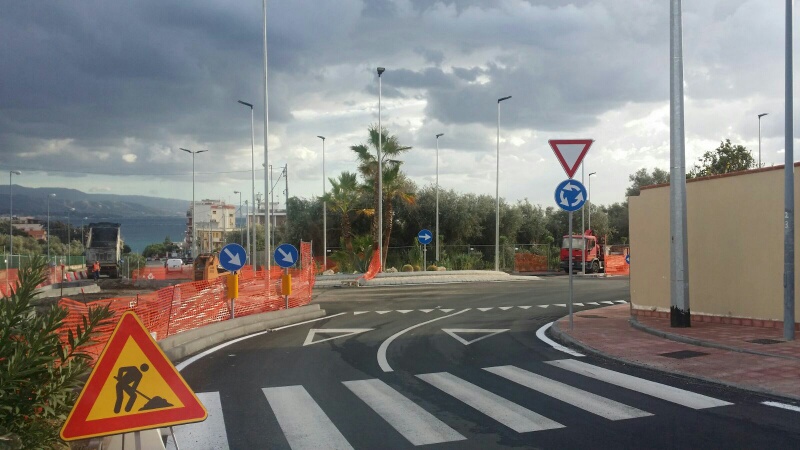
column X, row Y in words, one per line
column 393, row 178
column 343, row 196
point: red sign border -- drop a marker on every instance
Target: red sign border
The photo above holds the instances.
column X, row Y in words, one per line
column 554, row 143
column 78, row 427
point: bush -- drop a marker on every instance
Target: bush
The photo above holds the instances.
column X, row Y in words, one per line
column 39, row 374
column 417, row 269
column 432, row 268
column 408, row 268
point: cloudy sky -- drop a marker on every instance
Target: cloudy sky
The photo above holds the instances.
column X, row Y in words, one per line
column 99, row 95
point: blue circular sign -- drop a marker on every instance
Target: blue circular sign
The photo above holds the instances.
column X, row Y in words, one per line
column 232, row 257
column 425, row 237
column 286, row 255
column 570, row 195
column 628, row 258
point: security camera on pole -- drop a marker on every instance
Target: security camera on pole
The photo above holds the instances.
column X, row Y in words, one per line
column 570, row 194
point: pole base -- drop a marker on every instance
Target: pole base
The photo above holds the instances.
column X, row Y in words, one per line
column 679, row 318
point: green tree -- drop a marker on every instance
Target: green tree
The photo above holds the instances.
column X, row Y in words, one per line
column 39, row 374
column 724, row 159
column 641, row 178
column 343, row 198
column 154, row 250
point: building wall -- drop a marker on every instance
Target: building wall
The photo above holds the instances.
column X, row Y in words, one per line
column 735, row 245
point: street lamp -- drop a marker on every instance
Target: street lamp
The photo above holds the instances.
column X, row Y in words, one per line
column 82, row 233
column 380, row 172
column 437, row 195
column 69, row 236
column 11, row 212
column 497, row 193
column 590, row 199
column 49, row 196
column 194, row 217
column 324, row 211
column 253, row 179
column 241, row 238
column 759, row 138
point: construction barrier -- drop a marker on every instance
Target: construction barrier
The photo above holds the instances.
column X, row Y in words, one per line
column 528, row 262
column 162, row 273
column 616, row 265
column 191, row 305
column 10, row 277
column 374, row 267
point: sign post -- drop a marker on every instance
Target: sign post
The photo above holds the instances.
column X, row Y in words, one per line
column 424, row 237
column 286, row 256
column 232, row 258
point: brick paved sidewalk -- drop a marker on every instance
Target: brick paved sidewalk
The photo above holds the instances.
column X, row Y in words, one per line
column 727, row 355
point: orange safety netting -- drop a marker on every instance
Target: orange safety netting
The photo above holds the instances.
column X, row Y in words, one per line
column 162, row 273
column 187, row 306
column 374, row 267
column 527, row 262
column 616, row 265
column 10, row 277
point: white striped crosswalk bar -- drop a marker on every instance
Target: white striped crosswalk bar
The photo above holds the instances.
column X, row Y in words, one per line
column 504, row 411
column 302, row 421
column 207, row 435
column 584, row 400
column 658, row 390
column 409, row 419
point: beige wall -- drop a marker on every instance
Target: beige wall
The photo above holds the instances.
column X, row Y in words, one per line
column 735, row 239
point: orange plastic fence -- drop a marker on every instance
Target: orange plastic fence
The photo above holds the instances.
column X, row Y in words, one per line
column 616, row 265
column 374, row 267
column 527, row 262
column 162, row 273
column 187, row 306
column 10, row 277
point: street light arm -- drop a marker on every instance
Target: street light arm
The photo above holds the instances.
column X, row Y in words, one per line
column 503, row 98
column 439, row 135
column 245, row 104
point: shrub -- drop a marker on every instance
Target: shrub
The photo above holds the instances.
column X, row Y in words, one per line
column 39, row 374
column 432, row 268
column 417, row 268
column 408, row 268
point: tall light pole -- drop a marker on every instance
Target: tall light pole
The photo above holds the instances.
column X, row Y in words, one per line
column 69, row 236
column 49, row 196
column 759, row 138
column 788, row 180
column 194, row 216
column 247, row 223
column 253, row 177
column 380, row 172
column 590, row 199
column 437, row 195
column 497, row 193
column 324, row 211
column 241, row 237
column 267, row 246
column 11, row 173
column 83, row 220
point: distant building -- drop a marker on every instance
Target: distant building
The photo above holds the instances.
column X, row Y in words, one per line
column 214, row 219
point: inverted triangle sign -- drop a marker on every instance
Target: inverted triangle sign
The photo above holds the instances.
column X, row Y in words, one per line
column 132, row 387
column 484, row 332
column 339, row 332
column 570, row 153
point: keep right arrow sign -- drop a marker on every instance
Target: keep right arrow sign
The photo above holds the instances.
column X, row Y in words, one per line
column 570, row 153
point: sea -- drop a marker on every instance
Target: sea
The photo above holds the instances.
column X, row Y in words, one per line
column 139, row 232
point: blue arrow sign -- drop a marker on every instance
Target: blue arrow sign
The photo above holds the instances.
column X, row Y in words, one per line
column 286, row 255
column 570, row 195
column 425, row 237
column 628, row 258
column 232, row 257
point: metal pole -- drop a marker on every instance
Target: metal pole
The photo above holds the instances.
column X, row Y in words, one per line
column 286, row 196
column 247, row 225
column 241, row 237
column 48, row 227
column 437, row 195
column 759, row 138
column 69, row 238
column 788, row 228
column 680, row 315
column 589, row 200
column 267, row 246
column 194, row 217
column 424, row 258
column 324, row 211
column 583, row 229
column 380, row 173
column 497, row 193
column 11, row 213
column 569, row 233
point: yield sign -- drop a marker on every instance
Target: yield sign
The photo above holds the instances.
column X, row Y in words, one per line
column 570, row 153
column 483, row 331
column 132, row 387
column 340, row 332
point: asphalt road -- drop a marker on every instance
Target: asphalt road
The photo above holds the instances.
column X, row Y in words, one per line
column 459, row 366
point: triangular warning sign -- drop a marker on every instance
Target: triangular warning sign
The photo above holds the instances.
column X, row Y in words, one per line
column 570, row 153
column 132, row 387
column 340, row 333
column 484, row 331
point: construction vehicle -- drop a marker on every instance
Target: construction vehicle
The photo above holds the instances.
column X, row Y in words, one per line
column 587, row 251
column 104, row 245
column 206, row 267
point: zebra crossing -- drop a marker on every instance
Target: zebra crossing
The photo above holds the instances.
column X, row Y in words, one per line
column 305, row 425
column 486, row 309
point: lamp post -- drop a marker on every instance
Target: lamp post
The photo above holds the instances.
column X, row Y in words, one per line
column 247, row 221
column 194, row 216
column 253, row 179
column 759, row 138
column 497, row 193
column 241, row 238
column 83, row 220
column 590, row 199
column 380, row 172
column 49, row 196
column 437, row 195
column 11, row 173
column 69, row 235
column 324, row 211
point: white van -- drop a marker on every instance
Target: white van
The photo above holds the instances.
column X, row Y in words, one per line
column 173, row 265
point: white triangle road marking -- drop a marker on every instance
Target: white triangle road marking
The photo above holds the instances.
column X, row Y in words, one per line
column 523, row 307
column 505, row 308
column 484, row 309
column 563, row 305
column 607, row 302
column 620, row 301
column 426, row 310
column 355, row 313
column 446, row 310
column 543, row 306
column 382, row 312
column 593, row 303
column 487, row 332
column 404, row 311
column 578, row 304
column 342, row 333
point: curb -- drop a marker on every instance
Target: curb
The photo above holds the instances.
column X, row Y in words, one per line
column 567, row 339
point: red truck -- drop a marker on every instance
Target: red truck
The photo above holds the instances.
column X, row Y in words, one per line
column 593, row 256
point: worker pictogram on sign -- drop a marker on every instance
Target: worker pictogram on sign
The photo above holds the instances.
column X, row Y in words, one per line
column 132, row 387
column 570, row 153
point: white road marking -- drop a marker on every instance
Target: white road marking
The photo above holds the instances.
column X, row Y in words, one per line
column 782, row 406
column 343, row 332
column 578, row 304
column 382, row 362
column 607, row 302
column 523, row 307
column 593, row 303
column 446, row 310
column 542, row 337
column 409, row 419
column 584, row 400
column 620, row 301
column 563, row 305
column 486, row 333
column 426, row 310
column 484, row 309
column 404, row 311
column 504, row 411
column 505, row 308
column 207, row 435
column 543, row 306
column 205, row 353
column 303, row 422
column 658, row 390
column 382, row 312
column 355, row 313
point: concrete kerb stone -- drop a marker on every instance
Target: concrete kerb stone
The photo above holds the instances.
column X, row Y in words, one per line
column 188, row 343
column 401, row 278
